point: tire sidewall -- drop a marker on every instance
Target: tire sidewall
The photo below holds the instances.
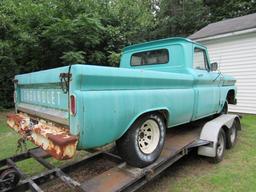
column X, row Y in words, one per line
column 219, row 158
column 231, row 143
column 149, row 158
column 6, row 173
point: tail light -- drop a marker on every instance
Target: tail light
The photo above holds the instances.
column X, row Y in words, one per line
column 73, row 105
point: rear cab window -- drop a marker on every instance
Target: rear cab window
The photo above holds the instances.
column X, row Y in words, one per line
column 152, row 57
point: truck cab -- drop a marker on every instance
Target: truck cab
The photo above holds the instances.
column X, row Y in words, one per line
column 181, row 55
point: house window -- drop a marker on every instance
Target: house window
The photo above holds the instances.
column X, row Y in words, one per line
column 160, row 56
column 200, row 59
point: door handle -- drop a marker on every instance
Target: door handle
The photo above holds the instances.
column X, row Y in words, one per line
column 200, row 75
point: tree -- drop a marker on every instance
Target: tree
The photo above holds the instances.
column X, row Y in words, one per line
column 179, row 18
column 225, row 9
column 42, row 34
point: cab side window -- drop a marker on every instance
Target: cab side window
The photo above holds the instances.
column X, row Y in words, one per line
column 200, row 60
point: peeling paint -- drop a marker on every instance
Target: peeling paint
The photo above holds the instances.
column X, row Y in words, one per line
column 55, row 140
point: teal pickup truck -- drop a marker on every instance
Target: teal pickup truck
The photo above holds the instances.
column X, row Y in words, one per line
column 159, row 84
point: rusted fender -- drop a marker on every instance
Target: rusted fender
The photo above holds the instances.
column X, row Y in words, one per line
column 55, row 140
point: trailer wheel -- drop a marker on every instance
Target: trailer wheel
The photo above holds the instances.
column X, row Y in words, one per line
column 220, row 148
column 142, row 144
column 232, row 135
column 9, row 179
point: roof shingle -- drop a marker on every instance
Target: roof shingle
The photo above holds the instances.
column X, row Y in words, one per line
column 226, row 26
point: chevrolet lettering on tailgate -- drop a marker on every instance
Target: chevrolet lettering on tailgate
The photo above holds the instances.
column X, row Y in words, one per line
column 41, row 96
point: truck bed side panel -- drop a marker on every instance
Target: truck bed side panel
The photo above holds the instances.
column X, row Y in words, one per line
column 108, row 114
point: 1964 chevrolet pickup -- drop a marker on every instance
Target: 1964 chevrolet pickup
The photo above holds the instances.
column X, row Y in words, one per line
column 160, row 84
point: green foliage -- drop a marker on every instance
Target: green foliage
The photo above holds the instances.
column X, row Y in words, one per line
column 114, row 58
column 180, row 18
column 230, row 8
column 42, row 34
column 184, row 17
column 72, row 57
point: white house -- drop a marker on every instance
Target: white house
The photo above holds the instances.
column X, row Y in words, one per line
column 232, row 43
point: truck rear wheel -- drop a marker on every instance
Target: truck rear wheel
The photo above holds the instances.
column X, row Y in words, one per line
column 142, row 144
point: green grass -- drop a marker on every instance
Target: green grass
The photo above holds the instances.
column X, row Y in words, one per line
column 237, row 172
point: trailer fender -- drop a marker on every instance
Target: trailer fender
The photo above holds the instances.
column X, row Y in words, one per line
column 211, row 130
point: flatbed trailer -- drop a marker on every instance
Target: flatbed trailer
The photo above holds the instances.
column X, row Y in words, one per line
column 203, row 134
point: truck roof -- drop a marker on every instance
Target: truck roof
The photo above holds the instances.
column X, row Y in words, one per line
column 159, row 42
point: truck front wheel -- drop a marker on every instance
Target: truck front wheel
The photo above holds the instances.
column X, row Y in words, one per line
column 142, row 144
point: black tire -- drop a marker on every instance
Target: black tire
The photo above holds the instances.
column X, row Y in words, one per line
column 128, row 145
column 10, row 177
column 231, row 135
column 220, row 155
column 225, row 108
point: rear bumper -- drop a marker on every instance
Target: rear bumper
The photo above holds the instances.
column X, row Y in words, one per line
column 54, row 140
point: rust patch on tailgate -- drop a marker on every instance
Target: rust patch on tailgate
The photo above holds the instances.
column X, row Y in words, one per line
column 57, row 141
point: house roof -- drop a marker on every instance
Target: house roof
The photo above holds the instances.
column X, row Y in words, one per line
column 226, row 26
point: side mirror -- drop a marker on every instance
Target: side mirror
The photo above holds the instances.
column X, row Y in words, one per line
column 214, row 66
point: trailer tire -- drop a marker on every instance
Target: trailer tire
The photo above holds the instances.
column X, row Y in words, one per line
column 232, row 135
column 220, row 148
column 142, row 144
column 9, row 179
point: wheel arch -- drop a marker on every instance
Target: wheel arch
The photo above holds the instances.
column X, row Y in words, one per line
column 231, row 98
column 164, row 112
column 225, row 129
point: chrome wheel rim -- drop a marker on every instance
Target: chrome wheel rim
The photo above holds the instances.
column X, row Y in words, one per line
column 148, row 136
column 220, row 145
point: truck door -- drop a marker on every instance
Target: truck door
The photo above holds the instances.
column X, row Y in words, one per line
column 206, row 87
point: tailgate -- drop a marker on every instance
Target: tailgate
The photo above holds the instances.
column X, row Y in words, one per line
column 43, row 111
column 41, row 94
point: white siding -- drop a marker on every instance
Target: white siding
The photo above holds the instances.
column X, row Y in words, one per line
column 236, row 56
